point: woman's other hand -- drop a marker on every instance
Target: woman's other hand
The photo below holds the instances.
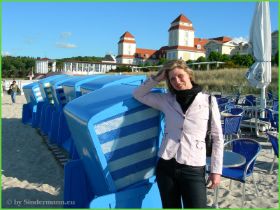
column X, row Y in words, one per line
column 213, row 180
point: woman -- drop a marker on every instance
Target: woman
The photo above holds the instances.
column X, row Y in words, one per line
column 180, row 170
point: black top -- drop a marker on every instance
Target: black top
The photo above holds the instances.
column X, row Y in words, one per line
column 186, row 97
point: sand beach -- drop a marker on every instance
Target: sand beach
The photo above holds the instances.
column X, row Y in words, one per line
column 33, row 178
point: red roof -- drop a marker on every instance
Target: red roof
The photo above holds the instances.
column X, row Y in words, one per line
column 222, row 39
column 145, row 51
column 126, row 35
column 182, row 18
column 200, row 41
column 43, row 59
column 164, row 48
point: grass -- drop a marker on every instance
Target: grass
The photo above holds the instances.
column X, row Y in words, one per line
column 228, row 81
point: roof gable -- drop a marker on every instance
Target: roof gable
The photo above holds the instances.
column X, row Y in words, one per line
column 127, row 35
column 182, row 18
column 222, row 39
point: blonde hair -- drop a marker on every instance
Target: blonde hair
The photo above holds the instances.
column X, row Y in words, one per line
column 172, row 64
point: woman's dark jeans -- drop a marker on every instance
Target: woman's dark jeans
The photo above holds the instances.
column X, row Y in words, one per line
column 177, row 181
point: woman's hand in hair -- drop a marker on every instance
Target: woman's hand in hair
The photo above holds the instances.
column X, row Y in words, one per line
column 160, row 76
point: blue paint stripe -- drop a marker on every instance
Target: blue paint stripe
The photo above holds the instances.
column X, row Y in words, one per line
column 145, row 164
column 131, row 149
column 127, row 130
column 140, row 108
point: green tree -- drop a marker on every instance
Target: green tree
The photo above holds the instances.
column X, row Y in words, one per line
column 225, row 58
column 123, row 69
column 242, row 60
column 201, row 59
column 147, row 63
column 215, row 56
column 162, row 61
column 17, row 66
column 190, row 61
column 59, row 64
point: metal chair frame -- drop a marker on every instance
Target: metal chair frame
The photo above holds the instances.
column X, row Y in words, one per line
column 248, row 164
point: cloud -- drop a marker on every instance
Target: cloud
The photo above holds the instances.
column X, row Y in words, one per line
column 241, row 39
column 65, row 45
column 65, row 35
column 63, row 41
column 5, row 53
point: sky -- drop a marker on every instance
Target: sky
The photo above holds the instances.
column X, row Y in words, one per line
column 68, row 29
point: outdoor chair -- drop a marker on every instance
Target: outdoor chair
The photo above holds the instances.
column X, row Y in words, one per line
column 271, row 95
column 236, row 111
column 275, row 105
column 218, row 95
column 222, row 103
column 250, row 149
column 230, row 105
column 274, row 142
column 272, row 117
column 275, row 117
column 231, row 126
column 249, row 100
column 252, row 119
column 234, row 98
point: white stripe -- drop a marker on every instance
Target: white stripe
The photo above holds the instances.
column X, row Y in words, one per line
column 38, row 94
column 47, row 84
column 40, row 98
column 125, row 120
column 133, row 178
column 134, row 138
column 132, row 159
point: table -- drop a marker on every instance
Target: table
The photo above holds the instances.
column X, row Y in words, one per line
column 254, row 113
column 230, row 160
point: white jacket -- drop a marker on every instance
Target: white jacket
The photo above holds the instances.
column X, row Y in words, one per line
column 184, row 135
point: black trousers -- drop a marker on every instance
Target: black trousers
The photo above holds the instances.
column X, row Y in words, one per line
column 178, row 182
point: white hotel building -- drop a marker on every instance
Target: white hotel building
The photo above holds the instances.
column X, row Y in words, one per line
column 182, row 44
